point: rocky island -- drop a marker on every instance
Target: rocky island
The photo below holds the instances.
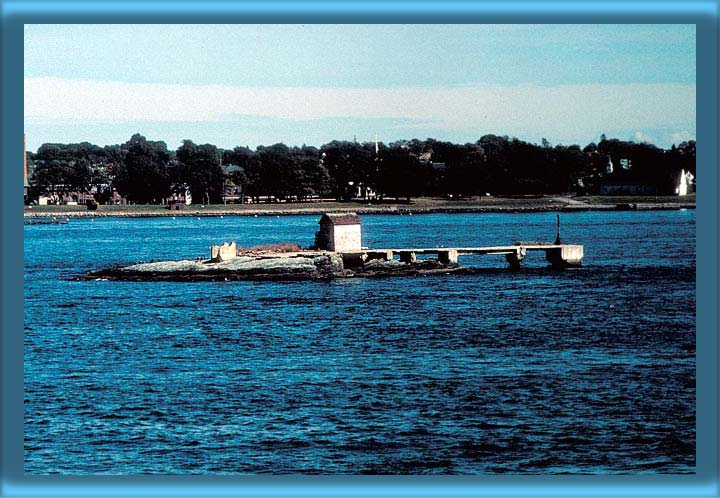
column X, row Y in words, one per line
column 306, row 265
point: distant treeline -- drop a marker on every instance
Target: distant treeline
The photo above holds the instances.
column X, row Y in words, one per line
column 145, row 171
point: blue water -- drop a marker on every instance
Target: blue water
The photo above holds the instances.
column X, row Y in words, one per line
column 537, row 371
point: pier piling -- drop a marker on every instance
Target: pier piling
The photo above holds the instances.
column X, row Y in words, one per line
column 448, row 256
column 514, row 259
column 565, row 256
column 383, row 254
column 558, row 255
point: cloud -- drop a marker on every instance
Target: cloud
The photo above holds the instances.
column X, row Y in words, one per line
column 643, row 137
column 681, row 136
column 565, row 110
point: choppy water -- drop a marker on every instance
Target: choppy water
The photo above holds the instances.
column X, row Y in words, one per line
column 537, row 371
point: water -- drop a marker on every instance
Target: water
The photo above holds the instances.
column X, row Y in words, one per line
column 538, row 371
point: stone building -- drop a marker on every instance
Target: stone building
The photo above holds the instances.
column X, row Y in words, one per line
column 339, row 232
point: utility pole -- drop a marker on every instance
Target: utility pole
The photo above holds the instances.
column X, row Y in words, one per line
column 557, row 239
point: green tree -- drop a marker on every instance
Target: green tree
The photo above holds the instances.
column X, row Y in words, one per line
column 61, row 169
column 54, row 178
column 316, row 178
column 401, row 174
column 143, row 176
column 348, row 164
column 199, row 167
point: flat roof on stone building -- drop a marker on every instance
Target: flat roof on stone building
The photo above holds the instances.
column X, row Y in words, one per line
column 341, row 218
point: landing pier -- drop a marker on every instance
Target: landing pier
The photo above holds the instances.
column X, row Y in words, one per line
column 340, row 234
column 558, row 255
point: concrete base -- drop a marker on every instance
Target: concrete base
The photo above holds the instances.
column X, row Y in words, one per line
column 353, row 259
column 515, row 259
column 566, row 256
column 383, row 255
column 448, row 256
column 407, row 257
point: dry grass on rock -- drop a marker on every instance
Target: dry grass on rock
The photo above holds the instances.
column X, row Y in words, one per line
column 268, row 249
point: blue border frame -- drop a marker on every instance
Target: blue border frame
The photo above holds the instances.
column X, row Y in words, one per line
column 16, row 13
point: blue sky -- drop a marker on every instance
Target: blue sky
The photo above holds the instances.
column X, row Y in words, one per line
column 260, row 84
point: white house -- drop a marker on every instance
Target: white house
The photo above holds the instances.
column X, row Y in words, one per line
column 686, row 185
column 339, row 232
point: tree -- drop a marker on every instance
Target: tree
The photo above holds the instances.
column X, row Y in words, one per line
column 498, row 161
column 61, row 169
column 315, row 173
column 143, row 175
column 199, row 167
column 105, row 171
column 144, row 171
column 54, row 178
column 348, row 164
column 274, row 178
column 401, row 174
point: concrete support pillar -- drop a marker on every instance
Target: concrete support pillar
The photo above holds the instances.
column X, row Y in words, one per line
column 408, row 257
column 353, row 259
column 566, row 256
column 515, row 259
column 449, row 256
column 383, row 255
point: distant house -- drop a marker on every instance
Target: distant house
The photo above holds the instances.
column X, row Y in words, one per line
column 181, row 193
column 426, row 156
column 362, row 191
column 339, row 232
column 686, row 184
column 231, row 192
column 116, row 198
column 620, row 181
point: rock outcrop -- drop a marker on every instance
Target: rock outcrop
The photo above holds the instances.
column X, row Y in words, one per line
column 311, row 265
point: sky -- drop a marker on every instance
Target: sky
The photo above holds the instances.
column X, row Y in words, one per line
column 249, row 85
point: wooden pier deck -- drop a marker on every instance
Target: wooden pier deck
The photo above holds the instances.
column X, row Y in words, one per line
column 558, row 255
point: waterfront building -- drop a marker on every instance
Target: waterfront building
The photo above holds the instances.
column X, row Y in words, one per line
column 339, row 232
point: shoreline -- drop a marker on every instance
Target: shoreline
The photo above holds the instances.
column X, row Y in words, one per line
column 423, row 206
column 270, row 267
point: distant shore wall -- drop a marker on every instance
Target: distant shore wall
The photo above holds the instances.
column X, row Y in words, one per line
column 103, row 211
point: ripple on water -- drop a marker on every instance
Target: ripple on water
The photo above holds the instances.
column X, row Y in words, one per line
column 588, row 371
